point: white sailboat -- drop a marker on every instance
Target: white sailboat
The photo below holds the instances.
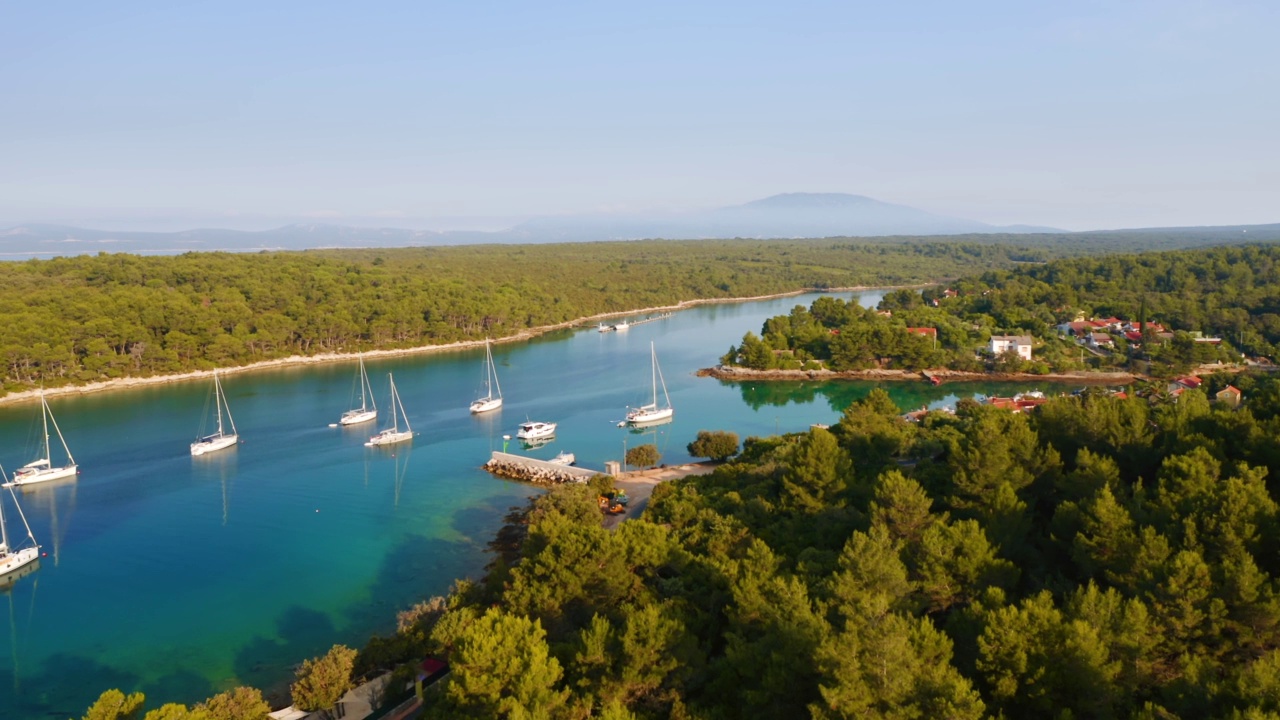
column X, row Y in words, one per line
column 393, row 434
column 222, row 438
column 652, row 413
column 11, row 559
column 368, row 410
column 490, row 401
column 43, row 469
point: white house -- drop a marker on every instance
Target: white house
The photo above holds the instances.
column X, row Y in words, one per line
column 1020, row 344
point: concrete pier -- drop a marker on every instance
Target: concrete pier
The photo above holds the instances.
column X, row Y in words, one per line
column 519, row 467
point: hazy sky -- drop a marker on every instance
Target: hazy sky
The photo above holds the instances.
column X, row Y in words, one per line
column 163, row 115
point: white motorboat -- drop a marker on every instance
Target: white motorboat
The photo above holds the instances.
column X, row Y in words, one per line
column 651, row 413
column 492, row 399
column 564, row 458
column 368, row 410
column 220, row 439
column 534, row 430
column 393, row 434
column 622, row 326
column 43, row 469
column 13, row 559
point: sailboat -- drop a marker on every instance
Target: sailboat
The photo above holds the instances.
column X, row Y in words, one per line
column 367, row 410
column 652, row 413
column 489, row 401
column 42, row 470
column 221, row 439
column 12, row 560
column 393, row 434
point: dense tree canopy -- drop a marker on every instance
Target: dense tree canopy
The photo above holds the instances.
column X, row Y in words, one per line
column 1103, row 557
column 88, row 318
column 1228, row 295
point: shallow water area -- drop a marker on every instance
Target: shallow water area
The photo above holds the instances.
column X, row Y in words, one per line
column 181, row 577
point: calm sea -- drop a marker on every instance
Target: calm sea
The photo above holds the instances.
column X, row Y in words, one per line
column 181, row 577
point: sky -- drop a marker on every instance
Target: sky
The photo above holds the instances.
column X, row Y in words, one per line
column 453, row 115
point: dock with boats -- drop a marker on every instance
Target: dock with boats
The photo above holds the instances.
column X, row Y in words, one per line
column 542, row 472
column 626, row 325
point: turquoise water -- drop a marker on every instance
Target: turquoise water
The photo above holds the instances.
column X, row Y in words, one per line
column 182, row 576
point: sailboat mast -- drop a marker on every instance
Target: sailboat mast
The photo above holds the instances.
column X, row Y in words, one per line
column 47, row 452
column 44, row 415
column 366, row 385
column 230, row 419
column 362, row 400
column 21, row 515
column 4, row 532
column 217, row 400
column 395, row 421
column 404, row 414
column 653, row 354
column 492, row 370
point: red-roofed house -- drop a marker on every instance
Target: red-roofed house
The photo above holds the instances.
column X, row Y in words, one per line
column 1190, row 382
column 1078, row 328
column 1230, row 395
column 1139, row 327
column 927, row 332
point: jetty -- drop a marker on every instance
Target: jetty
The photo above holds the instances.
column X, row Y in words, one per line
column 542, row 472
column 625, row 324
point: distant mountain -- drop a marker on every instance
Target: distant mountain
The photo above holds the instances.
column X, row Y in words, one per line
column 791, row 215
column 782, row 216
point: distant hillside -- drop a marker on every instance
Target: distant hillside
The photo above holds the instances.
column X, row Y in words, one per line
column 780, row 216
column 791, row 215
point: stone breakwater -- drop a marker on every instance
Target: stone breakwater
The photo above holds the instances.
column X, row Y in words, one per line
column 541, row 472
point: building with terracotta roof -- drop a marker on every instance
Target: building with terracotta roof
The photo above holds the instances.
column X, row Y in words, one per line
column 1229, row 395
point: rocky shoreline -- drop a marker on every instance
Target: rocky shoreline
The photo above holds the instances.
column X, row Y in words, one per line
column 724, row 372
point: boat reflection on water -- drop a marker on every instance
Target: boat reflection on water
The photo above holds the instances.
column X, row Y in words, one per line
column 8, row 581
column 401, row 470
column 646, row 427
column 535, row 443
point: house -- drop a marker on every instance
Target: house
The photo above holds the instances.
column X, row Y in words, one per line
column 1230, row 395
column 1190, row 382
column 1139, row 327
column 1113, row 322
column 1020, row 344
column 1077, row 328
column 1022, row 402
column 926, row 332
column 1100, row 340
column 1084, row 328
